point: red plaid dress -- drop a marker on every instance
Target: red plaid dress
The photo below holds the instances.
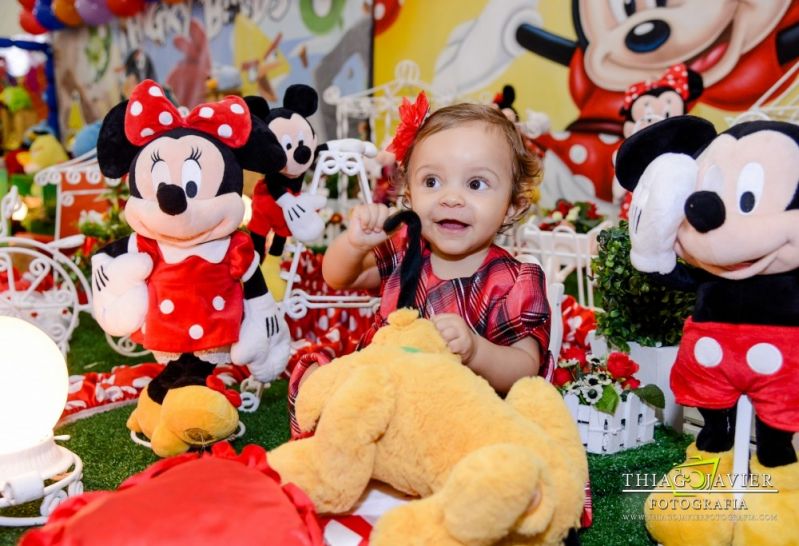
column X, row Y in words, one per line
column 504, row 301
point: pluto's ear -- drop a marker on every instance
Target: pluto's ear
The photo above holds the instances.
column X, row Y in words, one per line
column 680, row 134
column 301, row 99
column 114, row 150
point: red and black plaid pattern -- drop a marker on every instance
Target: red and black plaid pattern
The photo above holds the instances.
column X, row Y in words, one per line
column 504, row 301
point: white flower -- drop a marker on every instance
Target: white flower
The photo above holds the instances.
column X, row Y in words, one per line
column 90, row 217
column 604, row 378
column 573, row 213
column 557, row 216
column 592, row 394
column 568, row 363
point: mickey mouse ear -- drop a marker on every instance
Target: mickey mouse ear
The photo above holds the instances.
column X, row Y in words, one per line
column 681, row 134
column 114, row 151
column 301, row 99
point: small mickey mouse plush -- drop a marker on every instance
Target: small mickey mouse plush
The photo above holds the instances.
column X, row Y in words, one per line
column 504, row 101
column 277, row 203
column 186, row 284
column 728, row 205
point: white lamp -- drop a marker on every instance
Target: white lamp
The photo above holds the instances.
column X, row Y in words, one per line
column 33, row 392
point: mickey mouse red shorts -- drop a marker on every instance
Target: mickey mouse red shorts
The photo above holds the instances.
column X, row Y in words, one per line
column 718, row 362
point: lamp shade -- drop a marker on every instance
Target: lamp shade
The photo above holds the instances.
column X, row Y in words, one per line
column 33, row 385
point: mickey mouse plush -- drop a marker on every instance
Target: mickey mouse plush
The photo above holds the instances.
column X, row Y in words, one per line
column 277, row 204
column 728, row 205
column 186, row 284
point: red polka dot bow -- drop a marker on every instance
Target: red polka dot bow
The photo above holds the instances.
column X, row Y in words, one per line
column 150, row 114
column 676, row 78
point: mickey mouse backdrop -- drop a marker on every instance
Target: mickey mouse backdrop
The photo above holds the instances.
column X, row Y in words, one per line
column 576, row 65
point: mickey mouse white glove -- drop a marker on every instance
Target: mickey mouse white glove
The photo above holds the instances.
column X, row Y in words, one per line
column 263, row 344
column 658, row 209
column 301, row 217
column 363, row 147
column 119, row 293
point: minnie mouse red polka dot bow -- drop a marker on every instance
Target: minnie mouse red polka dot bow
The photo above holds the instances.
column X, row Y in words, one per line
column 150, row 114
column 676, row 78
column 411, row 118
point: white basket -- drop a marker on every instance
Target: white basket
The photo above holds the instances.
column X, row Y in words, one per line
column 631, row 426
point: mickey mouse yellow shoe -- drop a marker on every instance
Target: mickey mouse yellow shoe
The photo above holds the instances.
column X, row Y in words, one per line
column 271, row 271
column 770, row 518
column 692, row 519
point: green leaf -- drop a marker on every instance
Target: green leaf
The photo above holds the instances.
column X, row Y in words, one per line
column 609, row 401
column 652, row 395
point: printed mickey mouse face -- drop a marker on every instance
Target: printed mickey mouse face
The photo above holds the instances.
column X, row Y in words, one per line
column 631, row 40
column 737, row 225
column 298, row 140
column 177, row 181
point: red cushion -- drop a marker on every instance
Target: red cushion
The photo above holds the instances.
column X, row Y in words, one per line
column 217, row 498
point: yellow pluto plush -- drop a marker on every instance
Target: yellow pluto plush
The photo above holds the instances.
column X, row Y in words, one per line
column 405, row 411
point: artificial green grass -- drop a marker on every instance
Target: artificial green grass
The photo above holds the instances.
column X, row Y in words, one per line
column 109, row 456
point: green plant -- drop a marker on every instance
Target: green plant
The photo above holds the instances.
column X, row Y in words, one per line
column 635, row 307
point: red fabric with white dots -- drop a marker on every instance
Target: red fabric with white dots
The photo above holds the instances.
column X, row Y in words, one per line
column 194, row 304
column 149, row 113
column 718, row 362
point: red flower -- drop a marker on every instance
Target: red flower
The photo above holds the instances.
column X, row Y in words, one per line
column 575, row 353
column 621, row 366
column 630, row 383
column 411, row 118
column 561, row 377
column 591, row 213
column 563, row 207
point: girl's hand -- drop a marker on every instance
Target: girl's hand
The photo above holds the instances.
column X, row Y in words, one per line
column 460, row 339
column 365, row 230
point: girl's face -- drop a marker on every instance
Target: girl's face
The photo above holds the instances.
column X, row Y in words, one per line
column 460, row 183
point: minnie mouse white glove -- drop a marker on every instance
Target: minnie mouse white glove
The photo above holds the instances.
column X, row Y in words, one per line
column 658, row 209
column 119, row 293
column 301, row 217
column 263, row 344
column 363, row 147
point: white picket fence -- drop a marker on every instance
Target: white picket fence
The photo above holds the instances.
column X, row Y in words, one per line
column 631, row 426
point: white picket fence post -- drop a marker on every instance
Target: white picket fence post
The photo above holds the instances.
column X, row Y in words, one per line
column 632, row 425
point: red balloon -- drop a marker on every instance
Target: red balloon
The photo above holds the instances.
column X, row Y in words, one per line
column 125, row 8
column 29, row 23
column 27, row 4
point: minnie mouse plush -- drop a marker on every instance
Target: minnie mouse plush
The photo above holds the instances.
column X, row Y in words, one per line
column 728, row 205
column 186, row 284
column 277, row 204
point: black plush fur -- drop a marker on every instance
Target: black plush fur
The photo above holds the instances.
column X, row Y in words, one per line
column 681, row 134
column 411, row 266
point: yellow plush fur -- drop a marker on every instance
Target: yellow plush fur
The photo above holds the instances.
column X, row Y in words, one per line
column 405, row 411
column 191, row 416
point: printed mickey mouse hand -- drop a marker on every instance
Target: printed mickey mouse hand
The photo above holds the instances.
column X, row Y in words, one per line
column 363, row 147
column 301, row 216
column 263, row 344
column 658, row 209
column 119, row 293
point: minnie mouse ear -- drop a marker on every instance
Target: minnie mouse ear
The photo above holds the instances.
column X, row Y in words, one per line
column 301, row 99
column 114, row 151
column 508, row 96
column 681, row 134
column 258, row 106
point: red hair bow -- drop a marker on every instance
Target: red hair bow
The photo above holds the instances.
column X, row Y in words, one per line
column 150, row 114
column 411, row 118
column 676, row 78
column 214, row 383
